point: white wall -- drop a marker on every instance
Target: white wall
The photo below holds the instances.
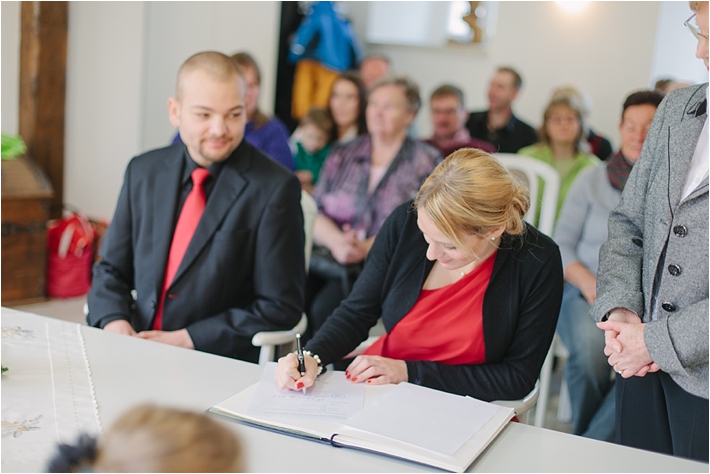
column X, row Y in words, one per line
column 674, row 52
column 606, row 50
column 103, row 101
column 177, row 30
column 123, row 56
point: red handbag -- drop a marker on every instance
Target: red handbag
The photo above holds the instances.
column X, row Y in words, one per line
column 70, row 251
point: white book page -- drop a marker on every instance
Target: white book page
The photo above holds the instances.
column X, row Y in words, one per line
column 426, row 418
column 331, row 398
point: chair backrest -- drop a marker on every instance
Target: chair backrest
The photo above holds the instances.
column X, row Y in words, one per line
column 533, row 171
column 310, row 210
column 524, row 405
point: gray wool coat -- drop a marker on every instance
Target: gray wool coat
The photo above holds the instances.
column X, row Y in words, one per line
column 658, row 245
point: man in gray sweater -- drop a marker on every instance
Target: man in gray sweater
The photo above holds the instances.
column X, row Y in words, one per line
column 652, row 287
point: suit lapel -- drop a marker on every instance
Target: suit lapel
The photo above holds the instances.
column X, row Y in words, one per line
column 229, row 185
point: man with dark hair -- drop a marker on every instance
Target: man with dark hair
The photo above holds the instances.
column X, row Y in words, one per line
column 206, row 246
column 448, row 117
column 498, row 125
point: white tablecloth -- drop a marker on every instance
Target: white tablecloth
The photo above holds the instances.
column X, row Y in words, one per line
column 47, row 393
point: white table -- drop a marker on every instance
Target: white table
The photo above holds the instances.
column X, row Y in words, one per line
column 127, row 371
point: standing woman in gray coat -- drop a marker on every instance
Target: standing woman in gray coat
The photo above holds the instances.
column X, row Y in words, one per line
column 652, row 285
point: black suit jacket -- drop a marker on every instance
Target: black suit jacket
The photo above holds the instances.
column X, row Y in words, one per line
column 243, row 271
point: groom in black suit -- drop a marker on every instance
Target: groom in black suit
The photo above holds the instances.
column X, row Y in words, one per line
column 240, row 267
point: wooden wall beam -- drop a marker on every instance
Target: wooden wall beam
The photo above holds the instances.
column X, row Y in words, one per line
column 43, row 53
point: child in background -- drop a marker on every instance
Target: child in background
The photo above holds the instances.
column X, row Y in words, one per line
column 153, row 439
column 312, row 146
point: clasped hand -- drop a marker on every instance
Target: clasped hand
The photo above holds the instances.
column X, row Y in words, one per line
column 371, row 369
column 180, row 338
column 625, row 346
column 349, row 248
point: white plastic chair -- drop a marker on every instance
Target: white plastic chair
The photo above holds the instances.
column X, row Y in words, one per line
column 269, row 341
column 534, row 169
column 523, row 406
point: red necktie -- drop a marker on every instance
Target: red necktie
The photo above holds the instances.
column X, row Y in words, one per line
column 187, row 223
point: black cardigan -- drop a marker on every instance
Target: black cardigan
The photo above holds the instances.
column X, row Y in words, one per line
column 520, row 309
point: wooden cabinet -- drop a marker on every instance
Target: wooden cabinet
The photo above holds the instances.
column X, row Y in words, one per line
column 26, row 198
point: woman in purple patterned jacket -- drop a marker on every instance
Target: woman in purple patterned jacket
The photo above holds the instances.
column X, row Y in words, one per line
column 361, row 183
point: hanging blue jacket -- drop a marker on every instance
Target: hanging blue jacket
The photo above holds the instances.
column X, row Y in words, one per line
column 327, row 37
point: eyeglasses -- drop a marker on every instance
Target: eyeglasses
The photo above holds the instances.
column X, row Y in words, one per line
column 559, row 120
column 694, row 30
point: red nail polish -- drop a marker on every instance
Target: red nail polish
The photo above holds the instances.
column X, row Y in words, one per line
column 347, row 376
column 368, row 381
column 299, row 385
column 354, row 379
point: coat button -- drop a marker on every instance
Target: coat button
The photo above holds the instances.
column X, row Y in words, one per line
column 670, row 307
column 674, row 270
column 680, row 230
column 152, row 304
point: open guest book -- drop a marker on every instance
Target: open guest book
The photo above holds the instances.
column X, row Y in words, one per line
column 405, row 421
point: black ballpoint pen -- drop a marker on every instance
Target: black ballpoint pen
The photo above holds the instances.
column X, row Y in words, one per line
column 301, row 362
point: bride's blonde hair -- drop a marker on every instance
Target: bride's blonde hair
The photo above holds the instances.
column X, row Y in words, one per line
column 471, row 193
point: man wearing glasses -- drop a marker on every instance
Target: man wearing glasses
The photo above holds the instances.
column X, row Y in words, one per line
column 652, row 286
column 448, row 118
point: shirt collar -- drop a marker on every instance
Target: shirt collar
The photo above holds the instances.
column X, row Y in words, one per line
column 509, row 125
column 189, row 166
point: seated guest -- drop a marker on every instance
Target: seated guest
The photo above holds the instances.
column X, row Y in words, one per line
column 448, row 116
column 199, row 229
column 268, row 134
column 346, row 106
column 561, row 143
column 600, row 146
column 372, row 68
column 360, row 184
column 498, row 125
column 666, row 85
column 149, row 438
column 580, row 232
column 468, row 293
column 312, row 148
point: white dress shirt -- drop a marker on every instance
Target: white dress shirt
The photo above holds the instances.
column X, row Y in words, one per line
column 698, row 169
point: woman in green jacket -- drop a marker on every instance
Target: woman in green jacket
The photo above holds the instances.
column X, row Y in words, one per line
column 561, row 144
